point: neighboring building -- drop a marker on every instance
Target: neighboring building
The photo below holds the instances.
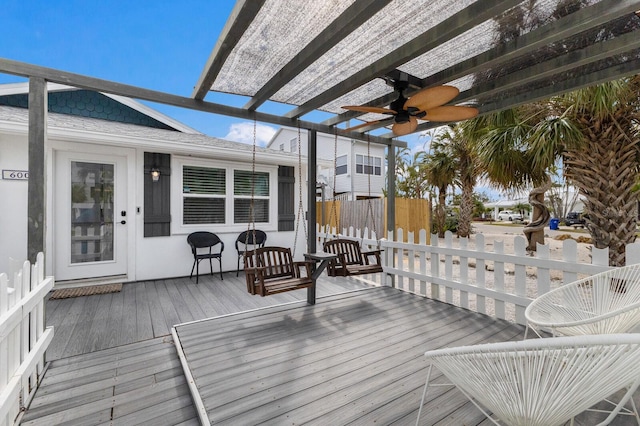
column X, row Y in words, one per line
column 507, row 204
column 107, row 218
column 355, row 162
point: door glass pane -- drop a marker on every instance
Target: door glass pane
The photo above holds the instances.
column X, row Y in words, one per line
column 92, row 215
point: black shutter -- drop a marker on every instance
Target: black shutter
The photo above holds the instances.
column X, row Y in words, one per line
column 286, row 198
column 157, row 195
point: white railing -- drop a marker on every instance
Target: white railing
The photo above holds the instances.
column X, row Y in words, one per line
column 470, row 274
column 23, row 337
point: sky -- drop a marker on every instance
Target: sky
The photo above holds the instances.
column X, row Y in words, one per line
column 157, row 45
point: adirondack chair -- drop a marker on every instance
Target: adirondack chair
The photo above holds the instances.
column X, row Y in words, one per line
column 271, row 270
column 351, row 260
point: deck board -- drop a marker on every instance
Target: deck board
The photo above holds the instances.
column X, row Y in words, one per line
column 144, row 327
column 97, row 328
column 128, row 329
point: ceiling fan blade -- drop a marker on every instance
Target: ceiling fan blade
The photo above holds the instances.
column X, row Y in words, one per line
column 376, row 110
column 400, row 129
column 432, row 97
column 365, row 124
column 450, row 113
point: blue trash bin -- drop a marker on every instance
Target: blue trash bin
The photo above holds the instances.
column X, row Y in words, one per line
column 553, row 224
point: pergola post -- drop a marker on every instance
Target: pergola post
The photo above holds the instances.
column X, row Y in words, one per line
column 391, row 189
column 391, row 204
column 312, row 162
column 36, row 186
column 312, row 144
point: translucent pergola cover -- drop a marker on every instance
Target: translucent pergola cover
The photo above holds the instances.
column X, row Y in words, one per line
column 324, row 54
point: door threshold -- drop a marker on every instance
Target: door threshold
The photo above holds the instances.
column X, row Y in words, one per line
column 84, row 282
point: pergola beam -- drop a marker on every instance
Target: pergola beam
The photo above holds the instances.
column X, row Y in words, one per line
column 559, row 88
column 77, row 80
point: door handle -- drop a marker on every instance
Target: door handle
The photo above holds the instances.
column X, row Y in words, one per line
column 123, row 222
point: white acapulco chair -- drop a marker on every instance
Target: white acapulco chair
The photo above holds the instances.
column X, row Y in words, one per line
column 604, row 303
column 542, row 382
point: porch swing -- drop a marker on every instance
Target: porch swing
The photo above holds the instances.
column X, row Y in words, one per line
column 271, row 270
column 351, row 259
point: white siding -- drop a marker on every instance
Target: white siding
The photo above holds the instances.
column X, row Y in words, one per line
column 352, row 183
column 13, row 196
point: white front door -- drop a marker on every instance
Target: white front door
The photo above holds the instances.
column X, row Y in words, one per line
column 90, row 216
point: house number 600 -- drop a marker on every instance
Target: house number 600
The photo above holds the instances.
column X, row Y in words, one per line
column 15, row 174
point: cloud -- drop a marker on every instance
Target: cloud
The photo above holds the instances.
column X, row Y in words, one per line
column 243, row 132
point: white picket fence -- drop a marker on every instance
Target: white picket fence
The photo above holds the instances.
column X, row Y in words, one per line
column 475, row 276
column 23, row 336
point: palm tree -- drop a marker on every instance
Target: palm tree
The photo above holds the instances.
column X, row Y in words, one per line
column 602, row 159
column 440, row 171
column 592, row 129
column 512, row 163
column 459, row 145
column 595, row 132
column 410, row 172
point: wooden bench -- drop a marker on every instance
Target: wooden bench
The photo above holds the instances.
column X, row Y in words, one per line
column 351, row 260
column 271, row 270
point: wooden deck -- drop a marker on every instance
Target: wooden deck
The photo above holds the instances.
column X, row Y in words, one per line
column 353, row 358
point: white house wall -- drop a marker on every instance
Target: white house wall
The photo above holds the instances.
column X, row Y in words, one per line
column 353, row 183
column 13, row 196
column 361, row 181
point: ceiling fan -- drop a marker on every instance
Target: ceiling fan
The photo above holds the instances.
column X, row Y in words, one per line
column 427, row 104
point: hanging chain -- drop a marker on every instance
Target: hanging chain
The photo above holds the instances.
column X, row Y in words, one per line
column 333, row 192
column 253, row 190
column 299, row 217
column 369, row 206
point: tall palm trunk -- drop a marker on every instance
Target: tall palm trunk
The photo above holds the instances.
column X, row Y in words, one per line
column 441, row 211
column 602, row 172
column 466, row 210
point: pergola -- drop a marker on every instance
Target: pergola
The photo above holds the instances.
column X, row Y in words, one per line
column 323, row 54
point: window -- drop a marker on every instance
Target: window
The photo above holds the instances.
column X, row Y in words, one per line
column 218, row 193
column 341, row 165
column 204, row 195
column 281, row 147
column 242, row 183
column 368, row 165
column 294, row 145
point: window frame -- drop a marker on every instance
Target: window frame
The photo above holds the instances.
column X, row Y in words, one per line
column 248, row 197
column 229, row 225
column 372, row 159
column 340, row 166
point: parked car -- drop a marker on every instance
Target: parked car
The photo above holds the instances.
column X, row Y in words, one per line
column 510, row 215
column 575, row 219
